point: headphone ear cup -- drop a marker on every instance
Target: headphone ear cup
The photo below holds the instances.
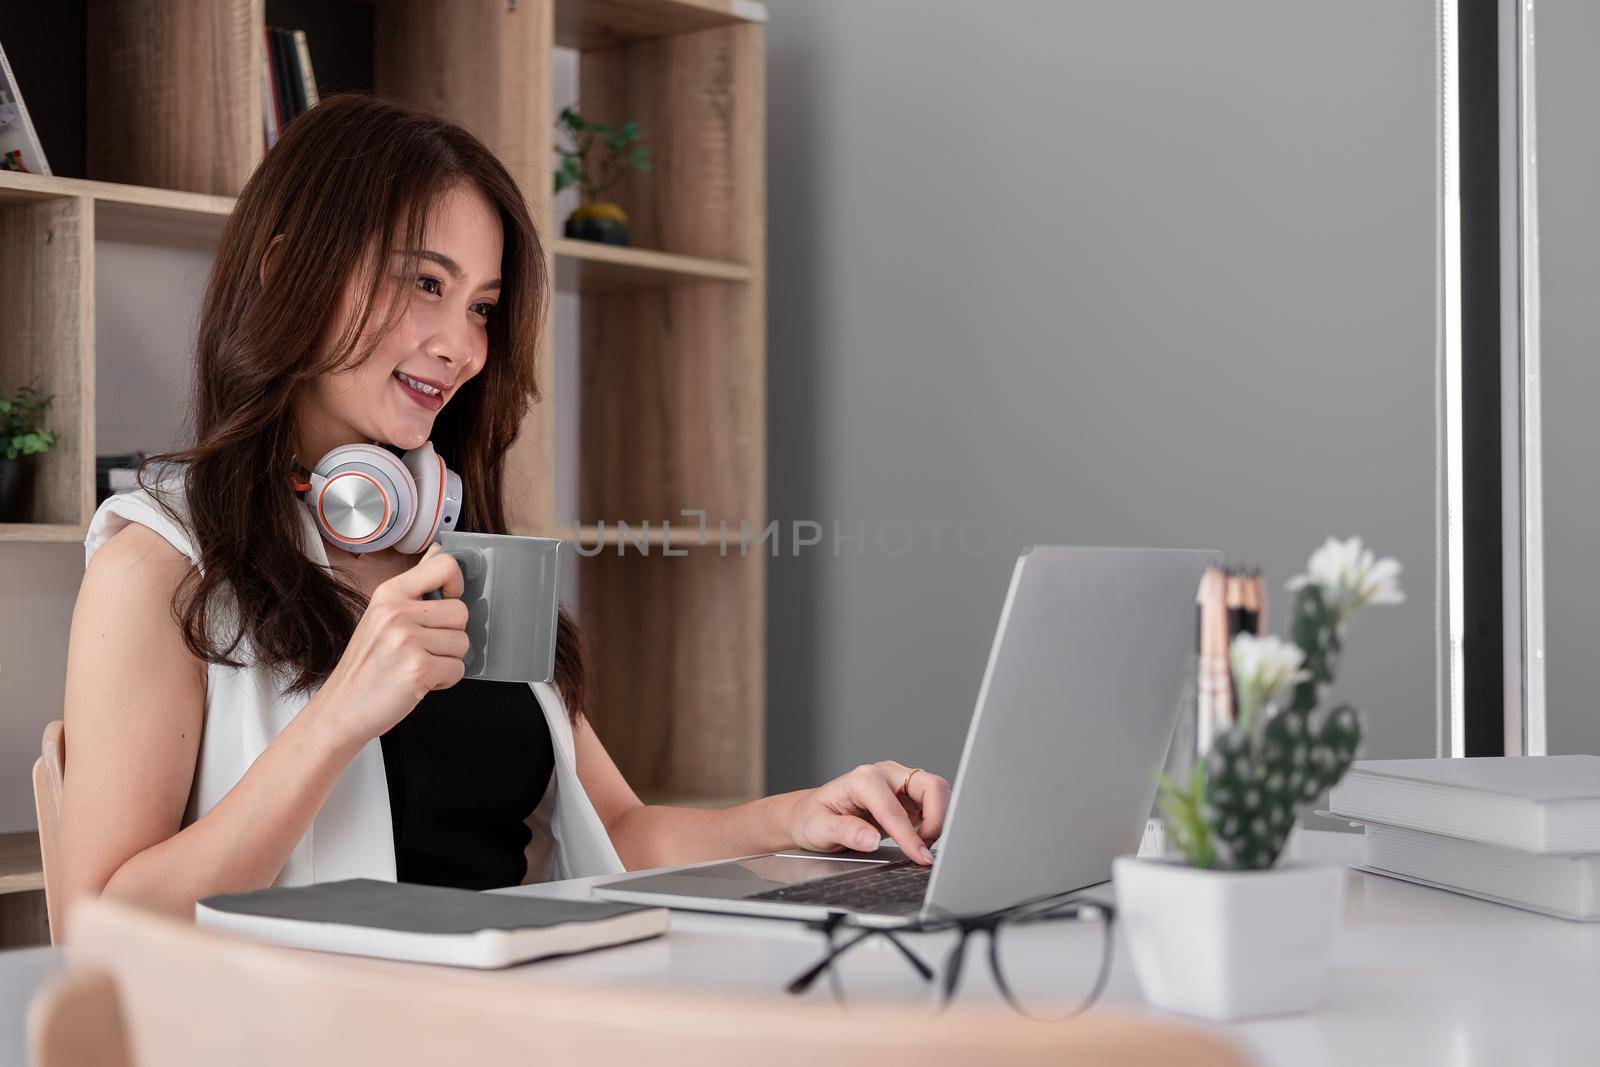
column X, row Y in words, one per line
column 367, row 499
column 428, row 473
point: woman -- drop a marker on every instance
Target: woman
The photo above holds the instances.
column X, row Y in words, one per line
column 248, row 705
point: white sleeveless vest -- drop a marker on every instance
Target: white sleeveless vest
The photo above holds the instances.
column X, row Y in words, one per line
column 351, row 836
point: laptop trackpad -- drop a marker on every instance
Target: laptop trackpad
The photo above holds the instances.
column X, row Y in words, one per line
column 742, row 878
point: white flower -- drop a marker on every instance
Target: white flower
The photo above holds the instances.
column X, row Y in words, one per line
column 1350, row 577
column 1264, row 670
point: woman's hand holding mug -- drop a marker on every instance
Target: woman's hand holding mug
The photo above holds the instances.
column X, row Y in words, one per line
column 403, row 647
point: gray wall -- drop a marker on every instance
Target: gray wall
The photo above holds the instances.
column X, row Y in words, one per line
column 1132, row 273
column 1569, row 233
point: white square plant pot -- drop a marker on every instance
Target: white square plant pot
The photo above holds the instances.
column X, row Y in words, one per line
column 1229, row 944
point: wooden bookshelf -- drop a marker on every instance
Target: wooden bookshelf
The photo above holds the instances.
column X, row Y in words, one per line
column 153, row 216
column 672, row 338
column 601, row 268
column 591, row 24
column 673, row 399
column 23, row 919
column 47, row 274
column 21, row 870
column 171, row 217
column 44, row 532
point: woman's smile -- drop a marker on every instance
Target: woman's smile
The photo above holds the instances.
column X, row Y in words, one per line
column 424, row 400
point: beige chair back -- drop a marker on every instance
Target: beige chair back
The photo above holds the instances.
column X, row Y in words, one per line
column 191, row 997
column 48, row 770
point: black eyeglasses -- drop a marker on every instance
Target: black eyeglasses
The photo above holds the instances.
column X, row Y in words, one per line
column 1034, row 950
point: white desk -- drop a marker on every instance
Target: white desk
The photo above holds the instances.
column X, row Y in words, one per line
column 1420, row 977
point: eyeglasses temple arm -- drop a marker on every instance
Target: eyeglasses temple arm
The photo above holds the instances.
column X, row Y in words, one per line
column 803, row 982
column 911, row 957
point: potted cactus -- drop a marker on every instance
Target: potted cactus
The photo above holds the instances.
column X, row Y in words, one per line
column 22, row 440
column 1222, row 929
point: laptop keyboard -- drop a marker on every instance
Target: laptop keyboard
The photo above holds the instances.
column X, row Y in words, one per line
column 896, row 888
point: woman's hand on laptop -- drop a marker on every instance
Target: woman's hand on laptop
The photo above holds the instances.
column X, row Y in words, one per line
column 858, row 809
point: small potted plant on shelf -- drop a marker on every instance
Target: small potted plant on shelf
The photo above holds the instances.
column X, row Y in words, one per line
column 23, row 440
column 1224, row 930
column 596, row 219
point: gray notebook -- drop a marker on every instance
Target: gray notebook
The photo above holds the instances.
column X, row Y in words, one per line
column 426, row 924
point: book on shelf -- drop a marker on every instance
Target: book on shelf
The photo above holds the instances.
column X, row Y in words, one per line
column 1563, row 885
column 1534, row 803
column 291, row 73
column 271, row 113
column 288, row 83
column 308, row 83
column 20, row 149
column 280, row 62
column 426, row 924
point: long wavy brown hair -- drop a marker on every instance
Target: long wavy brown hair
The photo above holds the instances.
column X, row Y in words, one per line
column 338, row 186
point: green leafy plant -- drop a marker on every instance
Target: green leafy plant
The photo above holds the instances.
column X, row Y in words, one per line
column 599, row 156
column 1180, row 812
column 1241, row 800
column 19, row 427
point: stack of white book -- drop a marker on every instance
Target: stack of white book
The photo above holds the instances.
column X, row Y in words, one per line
column 1520, row 830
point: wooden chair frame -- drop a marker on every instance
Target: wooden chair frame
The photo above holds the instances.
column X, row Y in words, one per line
column 49, row 772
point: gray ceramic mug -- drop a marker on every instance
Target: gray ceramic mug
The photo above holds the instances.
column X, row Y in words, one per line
column 510, row 589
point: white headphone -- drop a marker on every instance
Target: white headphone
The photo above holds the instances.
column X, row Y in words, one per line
column 363, row 499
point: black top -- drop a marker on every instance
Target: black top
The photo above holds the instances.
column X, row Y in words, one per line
column 465, row 769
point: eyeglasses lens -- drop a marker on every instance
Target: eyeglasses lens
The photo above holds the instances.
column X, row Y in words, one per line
column 1049, row 967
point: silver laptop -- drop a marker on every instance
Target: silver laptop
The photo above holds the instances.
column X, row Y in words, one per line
column 1076, row 709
